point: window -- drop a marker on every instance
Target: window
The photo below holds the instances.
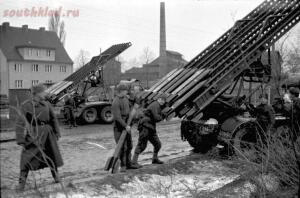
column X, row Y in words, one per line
column 35, row 67
column 48, row 52
column 48, row 68
column 18, row 68
column 18, row 83
column 48, row 81
column 35, row 82
column 63, row 68
column 29, row 52
column 37, row 52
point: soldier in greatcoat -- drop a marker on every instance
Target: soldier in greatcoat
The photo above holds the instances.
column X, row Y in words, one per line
column 37, row 131
column 121, row 110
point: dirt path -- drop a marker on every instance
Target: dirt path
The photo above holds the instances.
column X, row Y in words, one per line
column 183, row 174
column 81, row 158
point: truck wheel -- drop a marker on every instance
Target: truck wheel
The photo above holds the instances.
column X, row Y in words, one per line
column 245, row 143
column 191, row 132
column 90, row 115
column 199, row 144
column 106, row 114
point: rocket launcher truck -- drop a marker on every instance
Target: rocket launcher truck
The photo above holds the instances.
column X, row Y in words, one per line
column 207, row 92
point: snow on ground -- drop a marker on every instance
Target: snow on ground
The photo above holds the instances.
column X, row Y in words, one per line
column 184, row 173
column 185, row 177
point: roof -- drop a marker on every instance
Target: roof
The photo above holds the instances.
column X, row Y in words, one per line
column 12, row 38
column 173, row 53
column 134, row 70
column 170, row 59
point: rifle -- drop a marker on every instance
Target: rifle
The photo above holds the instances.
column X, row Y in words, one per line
column 113, row 162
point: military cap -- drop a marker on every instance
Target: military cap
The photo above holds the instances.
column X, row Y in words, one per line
column 122, row 87
column 39, row 88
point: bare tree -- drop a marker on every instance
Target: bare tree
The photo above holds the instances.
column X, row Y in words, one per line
column 147, row 56
column 58, row 26
column 289, row 48
column 293, row 60
column 233, row 14
column 81, row 59
column 133, row 63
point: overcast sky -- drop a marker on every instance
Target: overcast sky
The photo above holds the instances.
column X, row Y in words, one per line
column 191, row 25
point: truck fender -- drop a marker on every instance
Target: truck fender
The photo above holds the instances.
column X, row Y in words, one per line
column 230, row 126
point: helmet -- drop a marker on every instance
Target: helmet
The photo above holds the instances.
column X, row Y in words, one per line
column 35, row 89
column 122, row 87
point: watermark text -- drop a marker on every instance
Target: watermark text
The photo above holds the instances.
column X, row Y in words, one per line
column 40, row 12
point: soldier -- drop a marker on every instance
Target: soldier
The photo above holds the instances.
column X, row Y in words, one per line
column 147, row 130
column 265, row 114
column 135, row 105
column 120, row 111
column 37, row 131
column 93, row 79
column 294, row 111
column 292, row 106
column 69, row 108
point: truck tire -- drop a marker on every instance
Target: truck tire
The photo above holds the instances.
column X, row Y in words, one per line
column 245, row 143
column 191, row 132
column 106, row 114
column 89, row 115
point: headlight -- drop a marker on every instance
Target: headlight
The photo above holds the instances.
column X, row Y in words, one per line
column 209, row 126
column 211, row 121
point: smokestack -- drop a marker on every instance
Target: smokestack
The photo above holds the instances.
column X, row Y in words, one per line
column 25, row 27
column 5, row 26
column 162, row 40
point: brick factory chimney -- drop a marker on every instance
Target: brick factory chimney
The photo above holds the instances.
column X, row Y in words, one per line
column 162, row 40
column 5, row 26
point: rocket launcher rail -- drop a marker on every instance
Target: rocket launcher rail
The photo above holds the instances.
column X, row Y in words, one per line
column 196, row 85
column 57, row 90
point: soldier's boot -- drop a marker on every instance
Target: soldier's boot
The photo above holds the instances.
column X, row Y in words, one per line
column 55, row 175
column 135, row 161
column 123, row 169
column 70, row 124
column 74, row 123
column 22, row 181
column 155, row 159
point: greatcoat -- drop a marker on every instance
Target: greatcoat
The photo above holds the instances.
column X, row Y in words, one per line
column 38, row 131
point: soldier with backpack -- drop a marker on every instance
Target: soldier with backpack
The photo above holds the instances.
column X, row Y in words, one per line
column 147, row 130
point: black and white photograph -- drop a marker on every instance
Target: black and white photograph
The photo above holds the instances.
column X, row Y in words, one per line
column 150, row 98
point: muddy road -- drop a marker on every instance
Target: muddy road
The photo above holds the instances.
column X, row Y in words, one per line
column 83, row 173
column 82, row 158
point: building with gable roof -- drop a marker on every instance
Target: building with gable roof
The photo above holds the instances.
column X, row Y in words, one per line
column 31, row 56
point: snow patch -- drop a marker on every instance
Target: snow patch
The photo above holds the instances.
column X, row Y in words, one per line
column 171, row 185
